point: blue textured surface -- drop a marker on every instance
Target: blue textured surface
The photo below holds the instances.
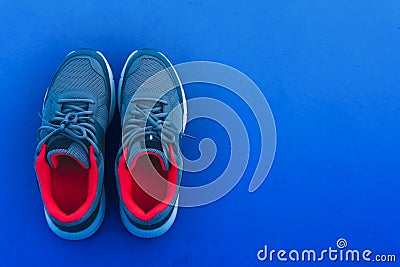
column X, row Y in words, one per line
column 330, row 71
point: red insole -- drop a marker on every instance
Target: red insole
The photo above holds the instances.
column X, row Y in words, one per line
column 70, row 184
column 148, row 175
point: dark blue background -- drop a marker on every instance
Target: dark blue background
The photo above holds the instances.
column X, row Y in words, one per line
column 330, row 71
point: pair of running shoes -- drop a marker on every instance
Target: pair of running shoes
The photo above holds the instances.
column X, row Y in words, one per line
column 69, row 161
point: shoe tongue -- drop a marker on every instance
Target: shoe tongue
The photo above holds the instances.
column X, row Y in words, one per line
column 140, row 148
column 65, row 147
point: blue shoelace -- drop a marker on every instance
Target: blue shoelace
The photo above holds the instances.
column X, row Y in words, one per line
column 148, row 119
column 74, row 121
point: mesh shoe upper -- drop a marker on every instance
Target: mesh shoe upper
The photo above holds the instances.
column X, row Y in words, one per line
column 81, row 76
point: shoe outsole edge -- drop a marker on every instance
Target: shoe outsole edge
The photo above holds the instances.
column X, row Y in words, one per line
column 86, row 233
column 149, row 233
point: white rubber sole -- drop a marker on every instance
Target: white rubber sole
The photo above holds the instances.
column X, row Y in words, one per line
column 112, row 86
column 122, row 76
column 149, row 233
column 88, row 232
column 182, row 92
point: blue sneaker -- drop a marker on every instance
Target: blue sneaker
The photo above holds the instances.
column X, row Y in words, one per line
column 69, row 160
column 148, row 167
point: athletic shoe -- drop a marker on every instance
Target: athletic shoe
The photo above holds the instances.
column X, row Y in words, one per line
column 148, row 167
column 69, row 159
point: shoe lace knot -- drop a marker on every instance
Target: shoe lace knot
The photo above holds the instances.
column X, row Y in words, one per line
column 74, row 121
